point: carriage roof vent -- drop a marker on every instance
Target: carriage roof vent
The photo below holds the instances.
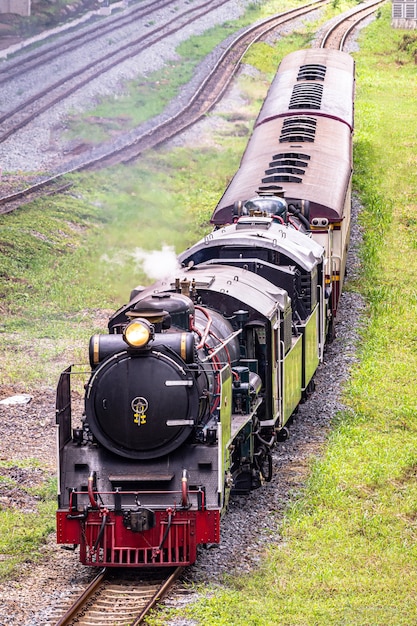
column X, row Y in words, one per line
column 270, row 190
column 306, row 96
column 312, row 71
column 282, row 178
column 298, row 129
column 291, row 162
column 284, row 169
column 291, row 155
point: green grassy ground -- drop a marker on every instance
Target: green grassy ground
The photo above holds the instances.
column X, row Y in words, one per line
column 349, row 550
column 348, row 554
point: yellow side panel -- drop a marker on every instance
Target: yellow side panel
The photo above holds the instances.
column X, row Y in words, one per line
column 224, row 427
column 311, row 347
column 292, row 378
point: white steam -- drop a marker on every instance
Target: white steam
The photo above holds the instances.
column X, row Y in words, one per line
column 156, row 264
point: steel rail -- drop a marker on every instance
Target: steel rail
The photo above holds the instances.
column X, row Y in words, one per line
column 357, row 11
column 356, row 23
column 46, row 98
column 130, row 600
column 165, row 587
column 149, row 138
column 13, row 68
column 83, row 598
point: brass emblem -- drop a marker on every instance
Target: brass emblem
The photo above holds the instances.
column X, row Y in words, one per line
column 139, row 407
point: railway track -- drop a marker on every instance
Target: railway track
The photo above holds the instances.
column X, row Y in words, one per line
column 118, row 598
column 336, row 35
column 29, row 60
column 28, row 109
column 206, row 96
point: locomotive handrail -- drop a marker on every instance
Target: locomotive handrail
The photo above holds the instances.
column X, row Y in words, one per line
column 92, row 495
column 322, row 337
column 221, row 346
column 184, row 494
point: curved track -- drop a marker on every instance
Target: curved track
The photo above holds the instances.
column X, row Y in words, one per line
column 206, row 96
column 335, row 36
column 19, row 116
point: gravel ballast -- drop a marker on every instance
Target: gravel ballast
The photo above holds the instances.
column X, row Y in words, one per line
column 38, row 146
column 28, row 431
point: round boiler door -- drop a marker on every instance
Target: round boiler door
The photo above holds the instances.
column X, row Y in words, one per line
column 141, row 407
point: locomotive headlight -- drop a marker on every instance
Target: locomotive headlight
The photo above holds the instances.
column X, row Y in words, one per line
column 138, row 333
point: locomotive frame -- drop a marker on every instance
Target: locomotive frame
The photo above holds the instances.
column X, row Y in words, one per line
column 200, row 372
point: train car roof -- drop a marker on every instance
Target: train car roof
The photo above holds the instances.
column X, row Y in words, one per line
column 316, row 80
column 308, row 159
column 255, row 233
column 246, row 287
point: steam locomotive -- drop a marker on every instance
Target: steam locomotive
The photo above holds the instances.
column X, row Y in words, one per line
column 200, row 372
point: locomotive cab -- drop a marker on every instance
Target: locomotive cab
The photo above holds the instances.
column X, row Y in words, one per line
column 262, row 206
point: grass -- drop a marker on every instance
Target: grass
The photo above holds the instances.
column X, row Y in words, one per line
column 67, row 261
column 24, row 529
column 348, row 551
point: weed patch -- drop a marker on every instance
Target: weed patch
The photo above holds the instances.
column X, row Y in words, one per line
column 27, row 503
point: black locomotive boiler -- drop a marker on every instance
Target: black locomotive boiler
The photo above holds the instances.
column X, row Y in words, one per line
column 199, row 373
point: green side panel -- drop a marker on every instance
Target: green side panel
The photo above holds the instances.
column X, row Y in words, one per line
column 292, row 378
column 311, row 346
column 225, row 427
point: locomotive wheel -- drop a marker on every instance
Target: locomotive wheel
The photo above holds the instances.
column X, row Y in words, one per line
column 283, row 434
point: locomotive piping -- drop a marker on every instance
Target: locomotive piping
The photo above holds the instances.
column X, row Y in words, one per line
column 91, row 496
column 101, row 532
column 221, row 346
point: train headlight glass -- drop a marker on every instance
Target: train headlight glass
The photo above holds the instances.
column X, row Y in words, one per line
column 138, row 333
